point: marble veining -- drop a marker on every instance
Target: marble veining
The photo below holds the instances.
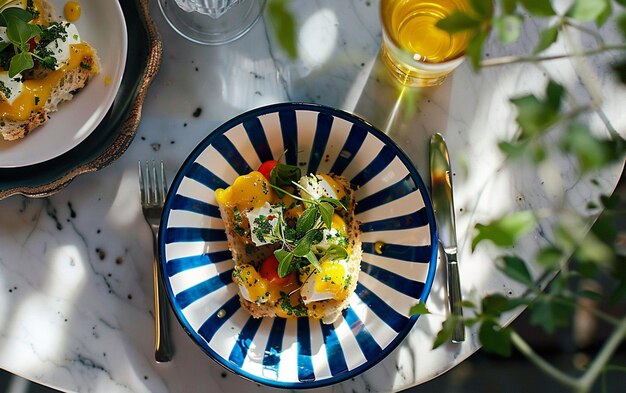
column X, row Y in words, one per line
column 75, row 283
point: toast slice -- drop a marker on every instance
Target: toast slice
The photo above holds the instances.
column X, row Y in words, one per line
column 68, row 80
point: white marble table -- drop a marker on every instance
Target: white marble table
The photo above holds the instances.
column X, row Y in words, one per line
column 75, row 273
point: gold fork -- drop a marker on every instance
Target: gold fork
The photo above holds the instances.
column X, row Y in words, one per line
column 153, row 188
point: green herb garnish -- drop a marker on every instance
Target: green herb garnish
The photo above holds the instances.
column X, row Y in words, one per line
column 300, row 243
column 5, row 90
column 21, row 36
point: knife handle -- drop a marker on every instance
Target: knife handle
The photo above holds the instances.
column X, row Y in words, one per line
column 454, row 296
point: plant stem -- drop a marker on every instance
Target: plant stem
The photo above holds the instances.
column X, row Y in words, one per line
column 534, row 59
column 596, row 36
column 541, row 363
column 605, row 354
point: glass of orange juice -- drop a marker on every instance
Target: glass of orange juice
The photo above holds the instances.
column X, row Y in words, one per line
column 416, row 52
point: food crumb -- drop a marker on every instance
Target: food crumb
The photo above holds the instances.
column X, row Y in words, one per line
column 197, row 112
column 107, row 80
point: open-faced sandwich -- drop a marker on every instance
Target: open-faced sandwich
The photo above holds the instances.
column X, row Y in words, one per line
column 294, row 240
column 43, row 62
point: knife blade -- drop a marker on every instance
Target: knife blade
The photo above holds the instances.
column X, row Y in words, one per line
column 443, row 204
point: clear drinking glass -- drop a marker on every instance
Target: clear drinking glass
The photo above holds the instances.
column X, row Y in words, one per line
column 212, row 22
column 416, row 52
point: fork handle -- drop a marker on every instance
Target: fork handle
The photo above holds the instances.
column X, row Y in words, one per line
column 163, row 349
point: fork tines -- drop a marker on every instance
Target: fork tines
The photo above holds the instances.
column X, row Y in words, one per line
column 153, row 182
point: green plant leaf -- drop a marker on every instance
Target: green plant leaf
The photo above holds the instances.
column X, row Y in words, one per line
column 313, row 260
column 284, row 26
column 586, row 269
column 474, row 50
column 14, row 12
column 618, row 293
column 495, row 304
column 284, row 261
column 283, row 175
column 20, row 62
column 620, row 69
column 537, row 115
column 621, row 2
column 595, row 296
column 538, row 7
column 605, row 228
column 306, row 221
column 547, row 38
column 508, row 28
column 326, row 211
column 604, row 16
column 482, row 8
column 419, row 309
column 593, row 249
column 549, row 315
column 18, row 31
column 539, row 153
column 494, row 338
column 304, row 245
column 509, row 6
column 447, row 329
column 610, row 201
column 516, row 268
column 549, row 257
column 587, row 10
column 621, row 23
column 468, row 304
column 591, row 152
column 458, row 21
column 334, row 253
column 514, row 149
column 554, row 94
column 504, row 232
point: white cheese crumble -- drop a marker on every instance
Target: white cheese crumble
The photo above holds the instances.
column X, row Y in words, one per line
column 259, row 218
column 10, row 88
column 315, row 187
column 61, row 48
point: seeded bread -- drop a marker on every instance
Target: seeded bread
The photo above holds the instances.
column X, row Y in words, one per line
column 68, row 86
column 326, row 310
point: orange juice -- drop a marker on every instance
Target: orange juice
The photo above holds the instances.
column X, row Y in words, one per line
column 411, row 39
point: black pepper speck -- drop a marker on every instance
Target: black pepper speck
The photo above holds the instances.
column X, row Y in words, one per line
column 197, row 112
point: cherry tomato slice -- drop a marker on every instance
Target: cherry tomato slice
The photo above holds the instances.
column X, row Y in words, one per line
column 31, row 44
column 266, row 168
column 269, row 271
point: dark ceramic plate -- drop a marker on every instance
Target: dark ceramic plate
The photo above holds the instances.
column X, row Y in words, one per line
column 116, row 131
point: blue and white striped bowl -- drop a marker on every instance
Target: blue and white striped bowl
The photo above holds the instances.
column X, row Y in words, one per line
column 392, row 205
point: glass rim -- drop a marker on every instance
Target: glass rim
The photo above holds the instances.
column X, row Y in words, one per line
column 407, row 57
column 389, row 37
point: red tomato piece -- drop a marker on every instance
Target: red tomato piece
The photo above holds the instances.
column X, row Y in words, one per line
column 266, row 168
column 31, row 44
column 269, row 271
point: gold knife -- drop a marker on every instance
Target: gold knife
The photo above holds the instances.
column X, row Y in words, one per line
column 443, row 204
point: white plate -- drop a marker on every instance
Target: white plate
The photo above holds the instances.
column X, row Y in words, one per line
column 102, row 25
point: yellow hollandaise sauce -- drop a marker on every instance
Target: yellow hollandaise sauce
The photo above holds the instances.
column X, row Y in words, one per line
column 249, row 191
column 282, row 298
column 35, row 92
column 72, row 11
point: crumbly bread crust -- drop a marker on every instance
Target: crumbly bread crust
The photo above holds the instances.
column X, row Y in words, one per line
column 327, row 310
column 67, row 87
